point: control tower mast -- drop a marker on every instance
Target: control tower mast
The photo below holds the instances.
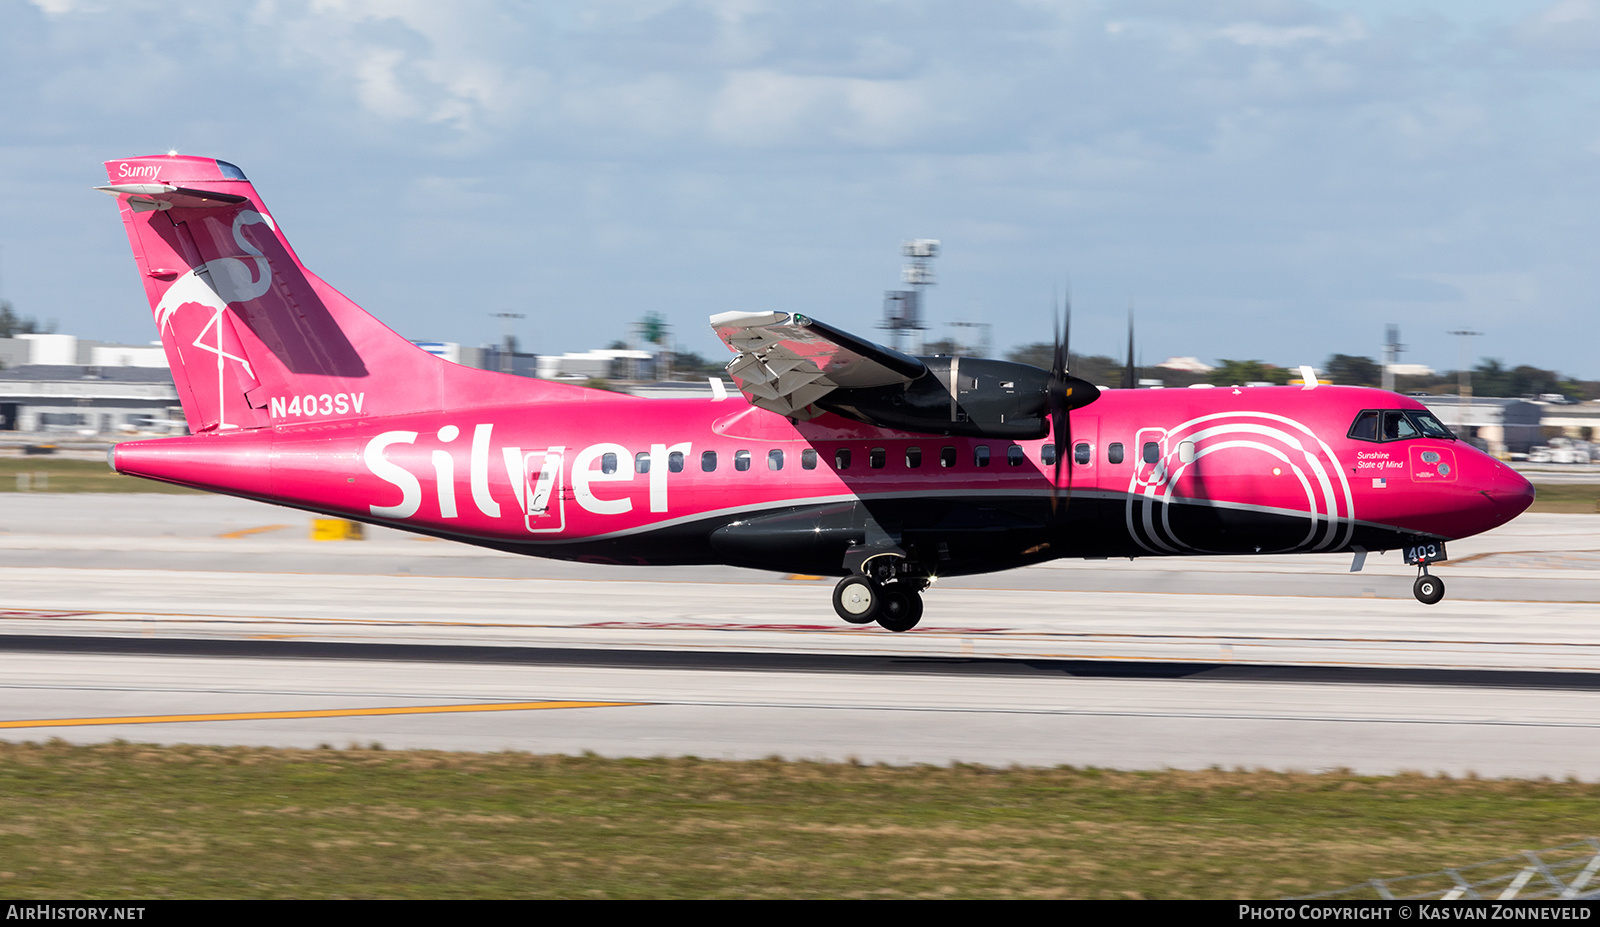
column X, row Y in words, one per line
column 902, row 309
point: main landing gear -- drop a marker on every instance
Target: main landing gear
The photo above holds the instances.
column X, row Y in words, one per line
column 891, row 597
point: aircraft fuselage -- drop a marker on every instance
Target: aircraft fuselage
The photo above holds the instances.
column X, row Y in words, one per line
column 1151, row 473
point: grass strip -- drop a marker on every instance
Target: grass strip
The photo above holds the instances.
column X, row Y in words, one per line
column 126, row 820
column 1567, row 497
column 43, row 474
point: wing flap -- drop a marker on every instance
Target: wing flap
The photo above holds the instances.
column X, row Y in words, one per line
column 785, row 362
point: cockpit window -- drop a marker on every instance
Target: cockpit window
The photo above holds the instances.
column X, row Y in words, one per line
column 1397, row 425
column 1431, row 427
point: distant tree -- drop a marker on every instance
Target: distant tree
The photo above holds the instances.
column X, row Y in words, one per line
column 1233, row 372
column 1346, row 370
column 1532, row 381
column 1096, row 368
column 688, row 363
column 1039, row 354
column 1439, row 384
column 1491, row 378
column 12, row 325
column 1583, row 390
column 947, row 346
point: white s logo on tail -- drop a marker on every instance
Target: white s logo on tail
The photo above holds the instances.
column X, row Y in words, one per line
column 216, row 283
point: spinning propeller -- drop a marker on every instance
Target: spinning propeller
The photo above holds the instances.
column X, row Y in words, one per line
column 1064, row 393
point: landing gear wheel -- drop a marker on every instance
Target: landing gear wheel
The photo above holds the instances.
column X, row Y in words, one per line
column 1428, row 589
column 856, row 600
column 899, row 609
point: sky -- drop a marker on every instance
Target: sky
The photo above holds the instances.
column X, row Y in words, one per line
column 1257, row 179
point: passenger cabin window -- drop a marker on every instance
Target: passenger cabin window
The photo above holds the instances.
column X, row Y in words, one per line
column 1185, row 451
column 808, row 459
column 774, row 459
column 608, row 463
column 708, row 461
column 913, row 457
column 1081, row 455
column 1152, row 452
column 877, row 457
column 675, row 462
column 980, row 455
column 947, row 457
column 641, row 462
column 1047, row 454
column 741, row 460
column 841, row 459
column 1114, row 453
column 1014, row 456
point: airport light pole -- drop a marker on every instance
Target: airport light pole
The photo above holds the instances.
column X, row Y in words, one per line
column 1464, row 376
column 508, row 359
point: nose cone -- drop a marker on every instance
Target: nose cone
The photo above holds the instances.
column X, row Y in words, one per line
column 1509, row 492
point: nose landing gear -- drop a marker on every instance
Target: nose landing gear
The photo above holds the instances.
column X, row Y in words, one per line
column 1428, row 589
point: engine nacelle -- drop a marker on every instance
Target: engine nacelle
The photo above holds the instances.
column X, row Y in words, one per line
column 967, row 396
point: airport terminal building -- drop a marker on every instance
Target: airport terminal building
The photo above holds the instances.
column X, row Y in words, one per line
column 83, row 399
column 60, row 384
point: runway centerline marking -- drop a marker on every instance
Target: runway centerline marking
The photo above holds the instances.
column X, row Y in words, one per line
column 311, row 713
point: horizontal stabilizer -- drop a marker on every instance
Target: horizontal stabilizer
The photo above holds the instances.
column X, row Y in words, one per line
column 144, row 197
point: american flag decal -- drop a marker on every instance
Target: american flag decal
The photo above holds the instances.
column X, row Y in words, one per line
column 1379, row 482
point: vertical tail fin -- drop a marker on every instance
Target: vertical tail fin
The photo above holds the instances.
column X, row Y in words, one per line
column 253, row 338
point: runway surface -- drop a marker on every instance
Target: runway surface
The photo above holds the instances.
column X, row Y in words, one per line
column 205, row 619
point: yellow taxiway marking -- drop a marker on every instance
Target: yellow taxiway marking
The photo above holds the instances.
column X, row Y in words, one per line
column 312, row 713
column 245, row 532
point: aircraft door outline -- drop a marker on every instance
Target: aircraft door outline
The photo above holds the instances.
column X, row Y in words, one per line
column 1146, row 473
column 547, row 492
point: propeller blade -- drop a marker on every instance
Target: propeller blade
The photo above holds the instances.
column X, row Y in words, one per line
column 1130, row 376
column 1061, row 388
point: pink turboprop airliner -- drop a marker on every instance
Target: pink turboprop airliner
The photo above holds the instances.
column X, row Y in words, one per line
column 838, row 456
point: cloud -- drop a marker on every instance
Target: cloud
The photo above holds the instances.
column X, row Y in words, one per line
column 1349, row 29
column 765, row 108
column 1569, row 29
column 1245, row 155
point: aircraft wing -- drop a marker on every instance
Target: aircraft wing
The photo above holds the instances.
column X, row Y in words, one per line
column 785, row 362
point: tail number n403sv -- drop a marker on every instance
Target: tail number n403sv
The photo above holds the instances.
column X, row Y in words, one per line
column 311, row 404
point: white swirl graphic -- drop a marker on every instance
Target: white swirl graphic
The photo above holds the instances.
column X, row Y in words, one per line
column 1328, row 505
